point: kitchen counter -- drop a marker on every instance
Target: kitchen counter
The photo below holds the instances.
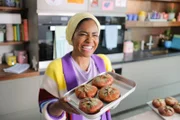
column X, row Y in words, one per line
column 148, row 54
column 143, row 112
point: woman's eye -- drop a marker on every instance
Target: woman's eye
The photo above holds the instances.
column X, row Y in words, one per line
column 82, row 34
column 95, row 35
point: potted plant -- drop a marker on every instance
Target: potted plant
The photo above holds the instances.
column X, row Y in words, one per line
column 171, row 12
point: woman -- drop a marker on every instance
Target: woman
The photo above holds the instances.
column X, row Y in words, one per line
column 73, row 69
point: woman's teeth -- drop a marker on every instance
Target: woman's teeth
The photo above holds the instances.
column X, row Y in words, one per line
column 87, row 47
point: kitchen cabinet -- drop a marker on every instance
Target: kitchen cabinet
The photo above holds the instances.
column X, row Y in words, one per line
column 157, row 78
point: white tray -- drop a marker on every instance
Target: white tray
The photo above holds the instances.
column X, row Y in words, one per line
column 176, row 116
column 125, row 86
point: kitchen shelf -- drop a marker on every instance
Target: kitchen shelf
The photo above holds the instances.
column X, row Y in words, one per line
column 10, row 9
column 10, row 76
column 130, row 24
column 12, row 43
column 158, row 0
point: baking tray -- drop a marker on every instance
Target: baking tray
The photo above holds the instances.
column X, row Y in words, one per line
column 125, row 86
column 176, row 116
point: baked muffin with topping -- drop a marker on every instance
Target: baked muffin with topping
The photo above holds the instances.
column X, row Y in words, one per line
column 177, row 108
column 171, row 101
column 86, row 90
column 102, row 80
column 108, row 94
column 158, row 103
column 90, row 105
column 166, row 110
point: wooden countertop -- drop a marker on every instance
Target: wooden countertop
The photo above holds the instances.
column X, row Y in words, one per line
column 11, row 76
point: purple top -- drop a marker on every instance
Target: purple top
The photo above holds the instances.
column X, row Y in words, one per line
column 81, row 75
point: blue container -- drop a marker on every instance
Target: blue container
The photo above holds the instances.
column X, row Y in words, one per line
column 9, row 3
column 167, row 44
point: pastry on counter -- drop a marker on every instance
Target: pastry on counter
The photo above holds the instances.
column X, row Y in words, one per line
column 171, row 101
column 166, row 110
column 158, row 103
column 90, row 105
column 108, row 94
column 102, row 80
column 86, row 90
column 177, row 108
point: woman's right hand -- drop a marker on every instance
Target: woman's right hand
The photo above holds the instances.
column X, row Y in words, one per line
column 56, row 108
column 64, row 105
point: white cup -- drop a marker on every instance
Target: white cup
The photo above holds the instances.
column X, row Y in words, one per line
column 7, row 55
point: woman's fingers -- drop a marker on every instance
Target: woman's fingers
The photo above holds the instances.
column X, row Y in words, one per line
column 66, row 106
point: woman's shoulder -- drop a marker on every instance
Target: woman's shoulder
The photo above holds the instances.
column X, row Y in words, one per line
column 107, row 61
column 55, row 64
column 103, row 56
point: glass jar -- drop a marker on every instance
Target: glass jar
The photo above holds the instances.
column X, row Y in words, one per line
column 22, row 57
column 128, row 47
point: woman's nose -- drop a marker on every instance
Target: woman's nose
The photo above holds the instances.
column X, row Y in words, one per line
column 89, row 38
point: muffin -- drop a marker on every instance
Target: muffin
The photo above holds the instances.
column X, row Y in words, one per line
column 170, row 101
column 108, row 94
column 177, row 108
column 166, row 110
column 86, row 90
column 158, row 103
column 102, row 80
column 90, row 105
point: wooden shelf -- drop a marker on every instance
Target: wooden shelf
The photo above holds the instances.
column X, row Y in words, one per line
column 11, row 43
column 11, row 76
column 10, row 9
column 130, row 24
column 165, row 1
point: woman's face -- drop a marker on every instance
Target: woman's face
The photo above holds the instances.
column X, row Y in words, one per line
column 85, row 39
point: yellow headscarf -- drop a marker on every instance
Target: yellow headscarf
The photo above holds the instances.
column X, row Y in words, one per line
column 74, row 21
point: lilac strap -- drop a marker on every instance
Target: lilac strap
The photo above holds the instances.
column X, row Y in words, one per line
column 70, row 78
column 69, row 73
column 99, row 63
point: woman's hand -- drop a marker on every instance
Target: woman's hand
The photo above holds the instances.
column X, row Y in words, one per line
column 64, row 105
column 56, row 108
column 113, row 70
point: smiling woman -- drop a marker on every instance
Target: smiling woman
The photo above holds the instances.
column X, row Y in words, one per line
column 82, row 33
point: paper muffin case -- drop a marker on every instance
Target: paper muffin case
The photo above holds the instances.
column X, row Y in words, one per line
column 125, row 86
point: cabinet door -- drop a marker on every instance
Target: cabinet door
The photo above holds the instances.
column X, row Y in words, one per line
column 133, row 71
column 104, row 7
column 62, row 6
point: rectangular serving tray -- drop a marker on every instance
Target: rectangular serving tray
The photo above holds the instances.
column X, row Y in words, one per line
column 176, row 116
column 125, row 86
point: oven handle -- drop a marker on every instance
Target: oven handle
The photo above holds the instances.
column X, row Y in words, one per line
column 52, row 28
column 103, row 27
